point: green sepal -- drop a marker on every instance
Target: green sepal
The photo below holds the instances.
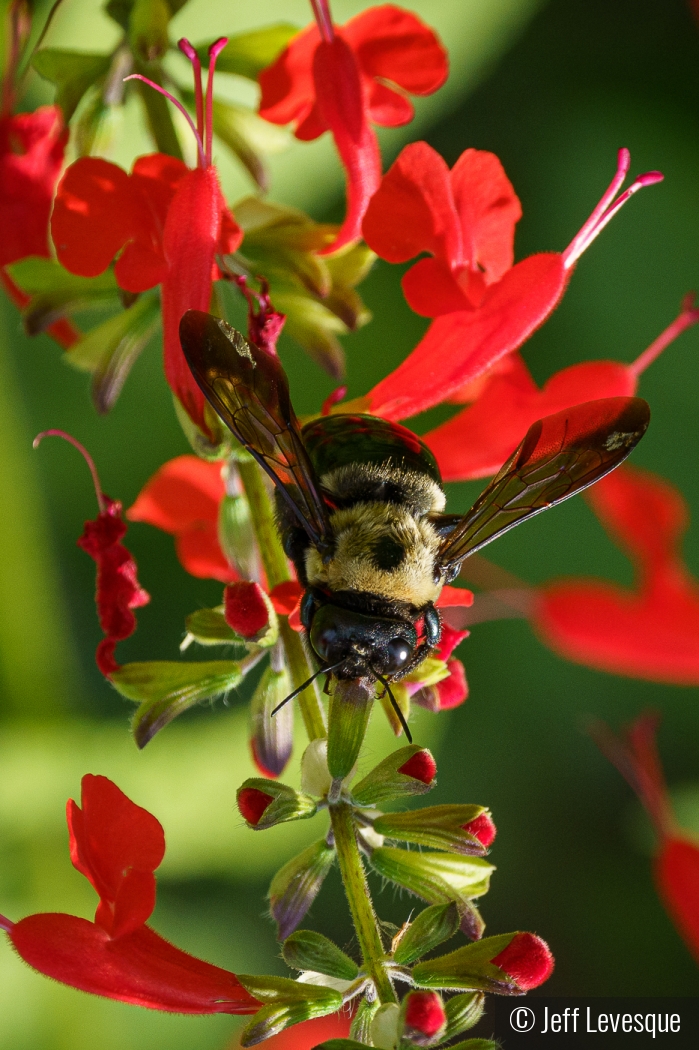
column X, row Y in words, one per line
column 341, row 1044
column 441, row 827
column 361, row 1022
column 432, row 927
column 287, row 804
column 288, row 1003
column 308, row 950
column 110, row 350
column 73, row 72
column 148, row 29
column 247, row 54
column 348, row 717
column 468, row 968
column 476, row 1044
column 166, row 688
column 297, row 884
column 236, row 536
column 209, row 627
column 385, row 782
column 463, row 1012
column 271, row 736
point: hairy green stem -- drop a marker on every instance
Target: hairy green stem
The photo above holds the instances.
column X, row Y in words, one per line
column 277, row 570
column 357, row 889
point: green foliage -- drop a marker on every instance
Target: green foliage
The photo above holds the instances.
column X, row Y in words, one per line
column 308, row 950
column 286, row 804
column 441, row 827
column 289, row 1003
column 247, row 54
column 73, row 72
column 385, row 782
column 431, row 928
column 463, row 1012
column 148, row 28
column 209, row 627
column 469, row 967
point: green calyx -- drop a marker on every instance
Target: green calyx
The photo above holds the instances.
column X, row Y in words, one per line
column 307, row 950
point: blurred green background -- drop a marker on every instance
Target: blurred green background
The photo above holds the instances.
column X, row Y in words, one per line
column 554, row 89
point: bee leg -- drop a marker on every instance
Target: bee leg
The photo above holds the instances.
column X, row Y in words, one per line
column 433, row 625
column 326, row 687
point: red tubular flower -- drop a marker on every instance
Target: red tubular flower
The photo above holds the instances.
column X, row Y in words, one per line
column 424, row 1017
column 477, row 441
column 246, row 610
column 484, row 308
column 341, row 78
column 676, row 866
column 167, row 223
column 117, row 846
column 527, row 960
column 183, row 498
column 118, row 589
column 651, row 632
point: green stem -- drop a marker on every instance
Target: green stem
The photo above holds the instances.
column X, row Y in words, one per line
column 277, row 570
column 359, row 900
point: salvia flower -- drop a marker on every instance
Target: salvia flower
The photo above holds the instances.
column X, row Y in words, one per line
column 118, row 589
column 676, row 865
column 117, row 845
column 343, row 79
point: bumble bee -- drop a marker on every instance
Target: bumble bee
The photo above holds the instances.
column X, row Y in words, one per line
column 360, row 503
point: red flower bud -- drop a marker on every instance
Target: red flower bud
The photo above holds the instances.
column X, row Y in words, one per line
column 252, row 803
column 424, row 1016
column 421, row 767
column 527, row 960
column 482, row 828
column 246, row 609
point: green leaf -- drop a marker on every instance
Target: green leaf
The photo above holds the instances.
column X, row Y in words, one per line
column 73, row 72
column 247, row 54
column 432, row 927
column 308, row 950
column 209, row 627
column 120, row 10
column 35, row 274
column 166, row 688
column 148, row 28
column 110, row 350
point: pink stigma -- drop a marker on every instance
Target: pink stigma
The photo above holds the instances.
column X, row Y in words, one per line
column 688, row 316
column 83, row 452
column 321, row 11
column 608, row 207
column 5, row 924
column 214, row 51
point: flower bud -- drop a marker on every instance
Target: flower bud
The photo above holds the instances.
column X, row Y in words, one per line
column 235, row 530
column 459, row 829
column 307, row 950
column 408, row 771
column 350, row 707
column 423, row 1018
column 432, row 927
column 463, row 1012
column 271, row 738
column 248, row 611
column 315, row 776
column 297, row 884
column 509, row 964
column 264, row 803
column 363, row 1019
column 384, row 1027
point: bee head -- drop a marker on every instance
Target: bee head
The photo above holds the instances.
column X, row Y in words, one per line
column 361, row 644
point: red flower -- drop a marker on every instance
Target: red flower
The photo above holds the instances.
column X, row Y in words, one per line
column 117, row 846
column 167, row 222
column 651, row 632
column 477, row 441
column 676, row 866
column 183, row 498
column 246, row 610
column 484, row 308
column 453, row 690
column 118, row 589
column 341, row 78
column 527, row 960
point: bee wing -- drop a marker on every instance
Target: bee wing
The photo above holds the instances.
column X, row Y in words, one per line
column 561, row 454
column 249, row 390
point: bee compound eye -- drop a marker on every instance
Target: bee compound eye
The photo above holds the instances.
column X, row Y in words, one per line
column 398, row 653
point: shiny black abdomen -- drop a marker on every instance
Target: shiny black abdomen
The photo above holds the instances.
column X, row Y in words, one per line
column 344, row 440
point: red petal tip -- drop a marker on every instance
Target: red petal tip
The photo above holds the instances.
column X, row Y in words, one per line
column 246, row 609
column 252, row 803
column 421, row 766
column 527, row 960
column 424, row 1013
column 482, row 828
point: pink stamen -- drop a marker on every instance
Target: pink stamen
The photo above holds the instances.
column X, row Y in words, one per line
column 688, row 317
column 84, row 453
column 5, row 924
column 187, row 49
column 333, row 399
column 183, row 111
column 608, row 207
column 214, row 51
column 321, row 11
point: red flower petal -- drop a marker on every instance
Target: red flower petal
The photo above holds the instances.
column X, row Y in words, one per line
column 527, row 960
column 488, row 210
column 199, row 553
column 252, row 803
column 245, row 608
column 287, row 86
column 483, row 828
column 459, row 347
column 476, row 442
column 451, row 596
column 431, row 289
column 118, row 589
column 652, row 632
column 31, row 155
column 677, row 879
column 453, row 690
column 449, row 641
column 421, row 766
column 286, row 596
column 424, row 1013
column 142, row 968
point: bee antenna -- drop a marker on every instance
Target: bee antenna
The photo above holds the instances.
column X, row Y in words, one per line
column 300, row 689
column 394, row 702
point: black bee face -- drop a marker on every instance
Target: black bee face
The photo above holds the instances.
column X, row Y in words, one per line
column 361, row 644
